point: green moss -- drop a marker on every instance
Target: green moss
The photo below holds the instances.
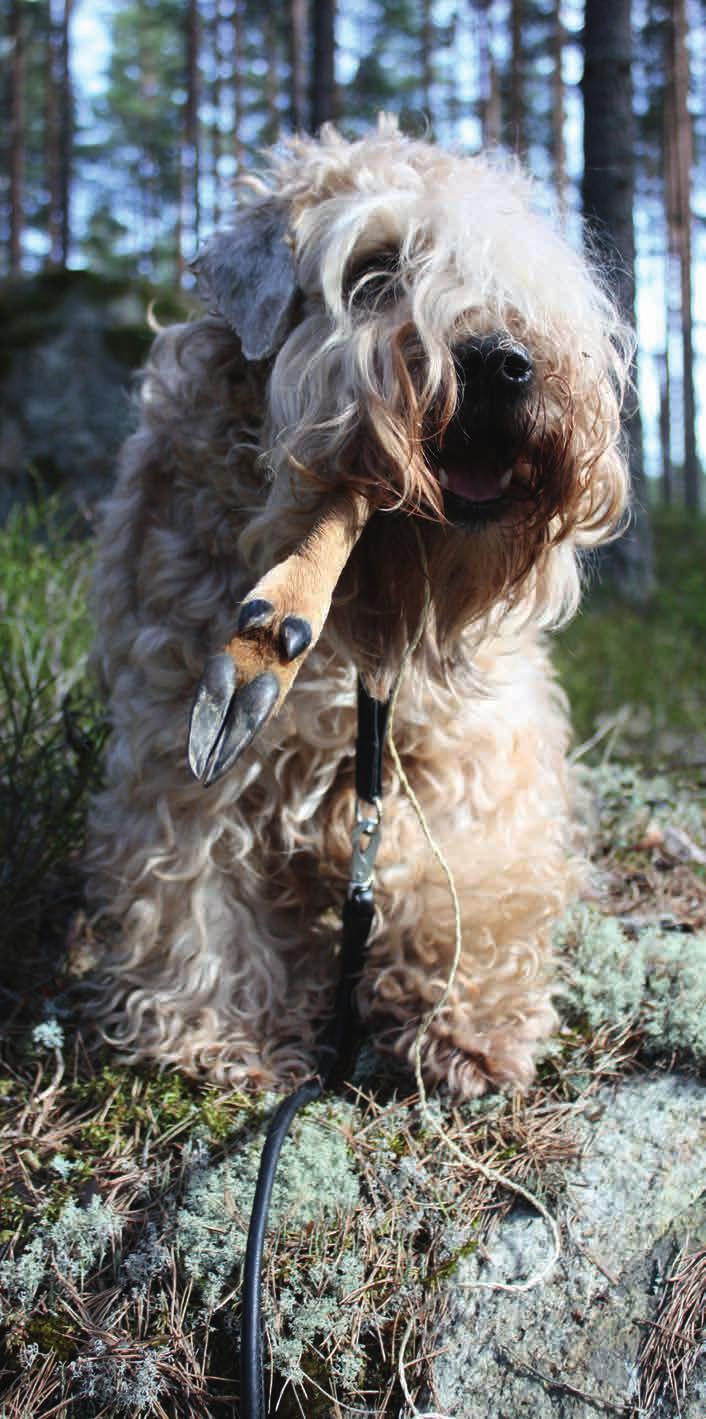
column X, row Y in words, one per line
column 655, row 980
column 674, row 1010
column 220, row 1116
column 628, row 801
column 604, row 973
column 315, row 1182
column 51, row 1335
column 14, row 1210
column 448, row 1268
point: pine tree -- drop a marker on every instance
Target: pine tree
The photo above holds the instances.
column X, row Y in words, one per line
column 17, row 134
column 324, row 99
column 608, row 188
column 146, row 86
column 678, row 163
column 298, row 107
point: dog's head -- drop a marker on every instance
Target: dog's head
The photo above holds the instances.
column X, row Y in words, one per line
column 438, row 345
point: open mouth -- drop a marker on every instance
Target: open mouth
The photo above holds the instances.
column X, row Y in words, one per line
column 474, row 492
column 483, row 484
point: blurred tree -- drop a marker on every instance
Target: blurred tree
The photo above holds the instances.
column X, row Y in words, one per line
column 191, row 146
column 558, row 144
column 490, row 95
column 215, row 126
column 270, row 130
column 298, row 114
column 388, row 74
column 665, row 425
column 516, row 104
column 678, row 153
column 649, row 72
column 238, row 50
column 25, row 38
column 59, row 130
column 324, row 101
column 529, row 103
column 66, row 129
column 427, row 59
column 16, row 128
column 53, row 143
column 106, row 243
column 138, row 120
column 608, row 189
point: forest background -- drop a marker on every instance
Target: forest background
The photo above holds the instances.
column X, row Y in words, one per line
column 124, row 1193
column 127, row 124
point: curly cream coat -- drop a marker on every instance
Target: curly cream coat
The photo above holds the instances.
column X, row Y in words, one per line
column 300, row 385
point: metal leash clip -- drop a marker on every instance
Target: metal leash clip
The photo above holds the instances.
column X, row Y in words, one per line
column 366, row 841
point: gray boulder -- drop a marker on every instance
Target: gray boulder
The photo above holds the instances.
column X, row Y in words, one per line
column 71, row 342
column 571, row 1348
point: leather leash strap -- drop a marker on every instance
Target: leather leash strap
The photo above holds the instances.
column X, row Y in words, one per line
column 339, row 1038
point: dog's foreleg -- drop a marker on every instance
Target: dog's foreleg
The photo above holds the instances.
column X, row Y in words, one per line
column 278, row 623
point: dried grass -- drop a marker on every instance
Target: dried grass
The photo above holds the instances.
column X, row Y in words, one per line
column 675, row 1339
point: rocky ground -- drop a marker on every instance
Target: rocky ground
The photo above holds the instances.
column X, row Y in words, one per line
column 125, row 1194
column 124, row 1197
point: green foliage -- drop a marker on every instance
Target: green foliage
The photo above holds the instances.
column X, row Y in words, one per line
column 51, row 728
column 388, row 72
column 646, row 662
column 141, row 117
column 36, row 31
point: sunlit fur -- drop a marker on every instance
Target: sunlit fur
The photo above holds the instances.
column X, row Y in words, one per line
column 216, row 903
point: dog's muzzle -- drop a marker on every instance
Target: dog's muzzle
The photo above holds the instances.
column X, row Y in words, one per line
column 474, row 460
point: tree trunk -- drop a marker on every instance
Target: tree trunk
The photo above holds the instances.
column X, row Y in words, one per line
column 490, row 111
column 191, row 117
column 518, row 137
column 665, row 429
column 269, row 28
column 558, row 111
column 67, row 133
column 678, row 162
column 17, row 135
column 323, row 86
column 238, row 47
column 298, row 20
column 427, row 37
column 216, row 136
column 608, row 189
column 453, row 101
column 52, row 145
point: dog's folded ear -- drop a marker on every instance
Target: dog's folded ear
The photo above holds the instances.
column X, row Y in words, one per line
column 247, row 274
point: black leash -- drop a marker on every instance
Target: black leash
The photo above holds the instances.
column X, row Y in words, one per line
column 339, row 1038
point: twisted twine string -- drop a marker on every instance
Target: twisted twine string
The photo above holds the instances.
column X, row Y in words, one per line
column 490, row 1174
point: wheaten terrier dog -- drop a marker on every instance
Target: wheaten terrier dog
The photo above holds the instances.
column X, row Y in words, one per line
column 404, row 373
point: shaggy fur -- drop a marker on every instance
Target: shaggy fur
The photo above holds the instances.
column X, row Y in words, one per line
column 222, row 954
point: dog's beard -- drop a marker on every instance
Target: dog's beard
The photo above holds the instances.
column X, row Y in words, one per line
column 485, row 536
column 482, row 538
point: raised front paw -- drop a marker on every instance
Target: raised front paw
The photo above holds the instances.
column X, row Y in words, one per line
column 243, row 685
column 277, row 625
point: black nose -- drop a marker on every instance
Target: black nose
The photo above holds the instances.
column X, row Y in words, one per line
column 504, row 363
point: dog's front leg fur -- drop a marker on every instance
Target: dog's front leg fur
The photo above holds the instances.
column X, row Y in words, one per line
column 490, row 772
column 278, row 623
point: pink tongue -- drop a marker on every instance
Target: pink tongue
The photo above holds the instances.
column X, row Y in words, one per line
column 480, row 485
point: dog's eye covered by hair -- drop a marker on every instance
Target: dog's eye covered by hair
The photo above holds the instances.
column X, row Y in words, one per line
column 373, row 278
